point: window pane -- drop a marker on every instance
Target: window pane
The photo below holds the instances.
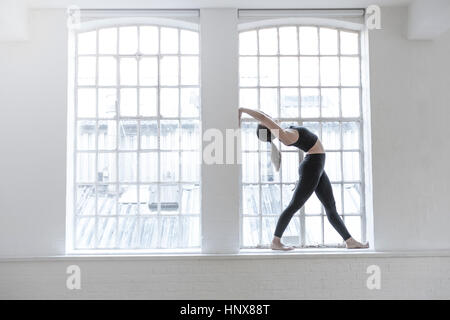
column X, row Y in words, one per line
column 170, row 199
column 107, row 41
column 328, row 41
column 107, row 67
column 169, row 166
column 249, row 141
column 269, row 101
column 310, row 103
column 85, row 167
column 106, row 199
column 288, row 71
column 349, row 42
column 268, row 173
column 148, row 71
column 169, row 40
column 349, row 71
column 248, row 98
column 290, row 166
column 287, row 194
column 309, row 71
column 351, row 166
column 128, row 71
column 170, row 135
column 107, row 135
column 313, row 231
column 352, row 198
column 353, row 224
column 189, row 70
column 333, row 166
column 350, row 102
column 189, row 42
column 128, row 41
column 107, row 169
column 337, row 194
column 106, row 103
column 128, row 200
column 169, row 102
column 85, row 236
column 86, row 135
column 289, row 102
column 250, row 167
column 148, row 167
column 128, row 102
column 190, row 199
column 190, row 168
column 190, row 236
column 190, row 135
column 169, row 229
column 268, row 71
column 350, row 132
column 268, row 226
column 248, row 72
column 86, row 103
column 313, row 205
column 149, row 233
column 86, row 70
column 190, row 102
column 85, row 199
column 331, row 135
column 330, row 102
column 288, row 40
column 87, row 42
column 250, row 231
column 270, row 199
column 329, row 71
column 128, row 233
column 331, row 237
column 148, row 40
column 149, row 134
column 250, row 201
column 309, row 42
column 127, row 167
column 268, row 41
column 148, row 199
column 148, row 102
column 247, row 43
column 169, row 71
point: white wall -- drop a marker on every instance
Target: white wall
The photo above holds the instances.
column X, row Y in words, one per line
column 410, row 101
column 410, row 113
column 33, row 85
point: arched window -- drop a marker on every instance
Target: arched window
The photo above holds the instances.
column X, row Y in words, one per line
column 306, row 75
column 136, row 137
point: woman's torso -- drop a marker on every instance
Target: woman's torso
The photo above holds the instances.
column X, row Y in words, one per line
column 307, row 141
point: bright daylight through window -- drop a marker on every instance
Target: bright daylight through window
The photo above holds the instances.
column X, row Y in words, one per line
column 310, row 76
column 137, row 138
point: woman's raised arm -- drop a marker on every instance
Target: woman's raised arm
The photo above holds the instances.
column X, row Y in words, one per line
column 286, row 136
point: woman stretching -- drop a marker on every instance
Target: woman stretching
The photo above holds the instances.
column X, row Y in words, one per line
column 312, row 177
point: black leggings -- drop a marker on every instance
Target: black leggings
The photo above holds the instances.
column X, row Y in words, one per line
column 312, row 177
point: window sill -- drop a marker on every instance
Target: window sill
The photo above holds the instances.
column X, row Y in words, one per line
column 245, row 254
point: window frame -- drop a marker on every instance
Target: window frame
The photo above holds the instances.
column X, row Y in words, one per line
column 72, row 119
column 363, row 120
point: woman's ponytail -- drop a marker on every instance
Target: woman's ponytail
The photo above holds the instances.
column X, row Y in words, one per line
column 265, row 135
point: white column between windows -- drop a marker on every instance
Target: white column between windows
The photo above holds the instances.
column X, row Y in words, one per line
column 219, row 96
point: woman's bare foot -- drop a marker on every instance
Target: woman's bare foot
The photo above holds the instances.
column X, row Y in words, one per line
column 353, row 244
column 277, row 245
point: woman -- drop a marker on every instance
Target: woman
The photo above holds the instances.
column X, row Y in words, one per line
column 312, row 177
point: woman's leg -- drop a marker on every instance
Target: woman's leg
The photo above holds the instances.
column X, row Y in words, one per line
column 324, row 192
column 310, row 171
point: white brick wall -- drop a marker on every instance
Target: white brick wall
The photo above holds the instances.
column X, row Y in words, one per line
column 230, row 277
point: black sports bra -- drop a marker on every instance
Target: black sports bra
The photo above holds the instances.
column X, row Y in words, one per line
column 306, row 139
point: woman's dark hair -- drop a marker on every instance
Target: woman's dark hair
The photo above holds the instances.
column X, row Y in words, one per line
column 264, row 133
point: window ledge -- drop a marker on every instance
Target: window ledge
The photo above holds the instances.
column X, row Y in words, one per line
column 245, row 254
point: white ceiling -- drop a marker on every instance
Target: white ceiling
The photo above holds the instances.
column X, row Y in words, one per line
column 186, row 4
